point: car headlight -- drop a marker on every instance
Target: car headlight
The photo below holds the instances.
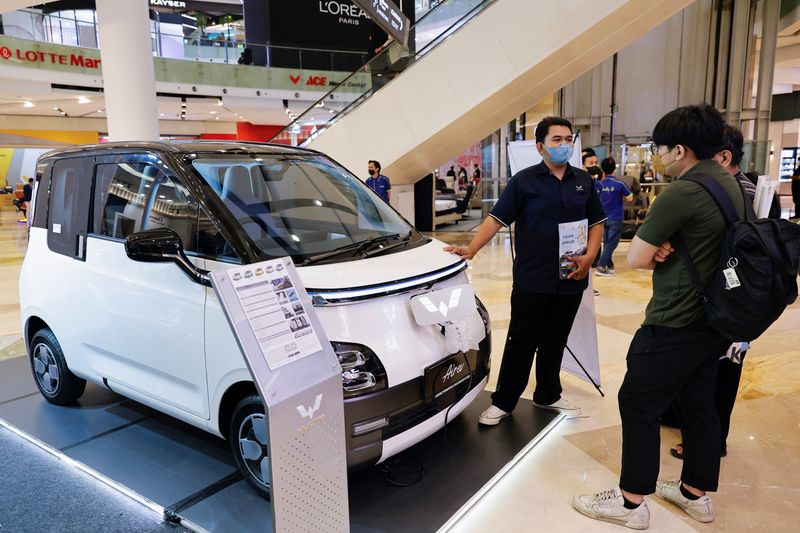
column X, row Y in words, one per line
column 362, row 371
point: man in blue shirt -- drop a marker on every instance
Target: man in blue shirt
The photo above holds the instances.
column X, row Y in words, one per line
column 377, row 181
column 612, row 192
column 542, row 201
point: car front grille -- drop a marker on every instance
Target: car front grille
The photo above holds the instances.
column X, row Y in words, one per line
column 422, row 411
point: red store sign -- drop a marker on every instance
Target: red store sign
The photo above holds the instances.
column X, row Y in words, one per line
column 313, row 81
column 35, row 56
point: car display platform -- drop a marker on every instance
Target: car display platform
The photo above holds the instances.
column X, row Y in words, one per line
column 192, row 475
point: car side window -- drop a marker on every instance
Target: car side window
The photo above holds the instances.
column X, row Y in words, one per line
column 120, row 195
column 172, row 206
column 210, row 241
column 68, row 213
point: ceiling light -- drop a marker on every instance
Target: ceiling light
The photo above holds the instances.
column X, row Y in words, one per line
column 213, row 112
column 219, row 101
column 216, row 118
column 161, row 114
column 55, row 109
column 99, row 110
column 321, row 104
column 27, row 103
column 84, row 100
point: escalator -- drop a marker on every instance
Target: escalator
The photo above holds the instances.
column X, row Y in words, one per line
column 471, row 66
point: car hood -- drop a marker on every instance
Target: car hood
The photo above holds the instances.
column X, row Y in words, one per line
column 381, row 269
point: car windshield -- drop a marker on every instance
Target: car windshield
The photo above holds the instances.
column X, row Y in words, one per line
column 307, row 207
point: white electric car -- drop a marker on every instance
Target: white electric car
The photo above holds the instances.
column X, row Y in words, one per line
column 102, row 299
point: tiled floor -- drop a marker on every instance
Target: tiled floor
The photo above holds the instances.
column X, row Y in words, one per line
column 760, row 480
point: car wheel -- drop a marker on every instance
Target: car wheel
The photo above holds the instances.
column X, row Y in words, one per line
column 56, row 383
column 249, row 443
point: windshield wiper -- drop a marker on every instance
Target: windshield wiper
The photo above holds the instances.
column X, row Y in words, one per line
column 355, row 248
column 372, row 251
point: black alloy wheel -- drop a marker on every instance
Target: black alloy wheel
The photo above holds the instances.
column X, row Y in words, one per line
column 57, row 384
column 247, row 437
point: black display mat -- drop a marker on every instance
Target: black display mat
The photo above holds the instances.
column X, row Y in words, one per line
column 170, row 462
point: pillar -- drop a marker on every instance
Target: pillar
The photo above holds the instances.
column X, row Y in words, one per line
column 128, row 72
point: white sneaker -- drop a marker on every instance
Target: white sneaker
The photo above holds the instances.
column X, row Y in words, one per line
column 701, row 509
column 492, row 416
column 561, row 406
column 609, row 506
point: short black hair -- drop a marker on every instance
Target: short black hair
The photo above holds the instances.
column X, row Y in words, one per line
column 697, row 127
column 587, row 155
column 377, row 165
column 30, row 180
column 588, row 151
column 595, row 172
column 543, row 127
column 608, row 165
column 733, row 141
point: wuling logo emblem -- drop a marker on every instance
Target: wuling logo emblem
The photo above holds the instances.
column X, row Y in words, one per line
column 308, row 412
column 455, row 296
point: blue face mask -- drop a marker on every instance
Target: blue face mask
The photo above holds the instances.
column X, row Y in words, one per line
column 560, row 154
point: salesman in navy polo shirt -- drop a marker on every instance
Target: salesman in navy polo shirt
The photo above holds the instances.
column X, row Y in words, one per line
column 377, row 181
column 553, row 205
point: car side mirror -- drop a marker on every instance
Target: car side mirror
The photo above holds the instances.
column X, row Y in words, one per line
column 160, row 245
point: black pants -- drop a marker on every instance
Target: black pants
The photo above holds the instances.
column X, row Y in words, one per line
column 728, row 376
column 666, row 364
column 538, row 321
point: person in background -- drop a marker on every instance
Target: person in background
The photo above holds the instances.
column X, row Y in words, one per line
column 612, row 193
column 589, row 159
column 476, row 175
column 540, row 201
column 597, row 174
column 796, row 190
column 27, row 191
column 462, row 178
column 377, row 181
column 730, row 363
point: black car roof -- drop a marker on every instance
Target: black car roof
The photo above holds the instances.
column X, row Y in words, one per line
column 182, row 147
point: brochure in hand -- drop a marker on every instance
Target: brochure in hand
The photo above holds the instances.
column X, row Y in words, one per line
column 573, row 238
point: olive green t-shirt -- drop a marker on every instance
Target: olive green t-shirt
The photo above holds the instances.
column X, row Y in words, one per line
column 687, row 207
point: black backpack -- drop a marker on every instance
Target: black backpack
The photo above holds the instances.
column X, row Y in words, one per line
column 756, row 277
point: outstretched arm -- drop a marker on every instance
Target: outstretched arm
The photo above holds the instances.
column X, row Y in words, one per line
column 488, row 229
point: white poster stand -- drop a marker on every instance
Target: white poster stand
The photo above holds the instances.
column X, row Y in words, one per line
column 582, row 340
column 299, row 379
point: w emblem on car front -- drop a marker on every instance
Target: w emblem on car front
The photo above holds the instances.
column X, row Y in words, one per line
column 443, row 308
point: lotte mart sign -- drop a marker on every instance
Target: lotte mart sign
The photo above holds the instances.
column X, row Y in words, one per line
column 32, row 54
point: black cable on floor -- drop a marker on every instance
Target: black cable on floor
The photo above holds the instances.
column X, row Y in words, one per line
column 392, row 470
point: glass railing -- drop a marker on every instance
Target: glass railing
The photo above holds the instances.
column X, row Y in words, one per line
column 80, row 29
column 430, row 30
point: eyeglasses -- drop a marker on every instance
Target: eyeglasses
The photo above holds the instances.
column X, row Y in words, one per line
column 654, row 148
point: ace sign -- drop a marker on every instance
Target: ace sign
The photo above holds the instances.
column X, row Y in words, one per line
column 388, row 16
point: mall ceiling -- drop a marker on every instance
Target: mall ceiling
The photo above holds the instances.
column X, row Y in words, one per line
column 32, row 100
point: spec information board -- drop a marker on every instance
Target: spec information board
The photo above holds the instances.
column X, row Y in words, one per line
column 271, row 303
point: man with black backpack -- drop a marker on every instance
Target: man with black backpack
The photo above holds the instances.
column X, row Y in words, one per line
column 674, row 354
column 730, row 364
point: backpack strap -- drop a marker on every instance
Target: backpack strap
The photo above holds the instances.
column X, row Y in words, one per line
column 721, row 198
column 725, row 205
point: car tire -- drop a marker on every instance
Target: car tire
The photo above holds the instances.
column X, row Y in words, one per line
column 53, row 378
column 249, row 443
